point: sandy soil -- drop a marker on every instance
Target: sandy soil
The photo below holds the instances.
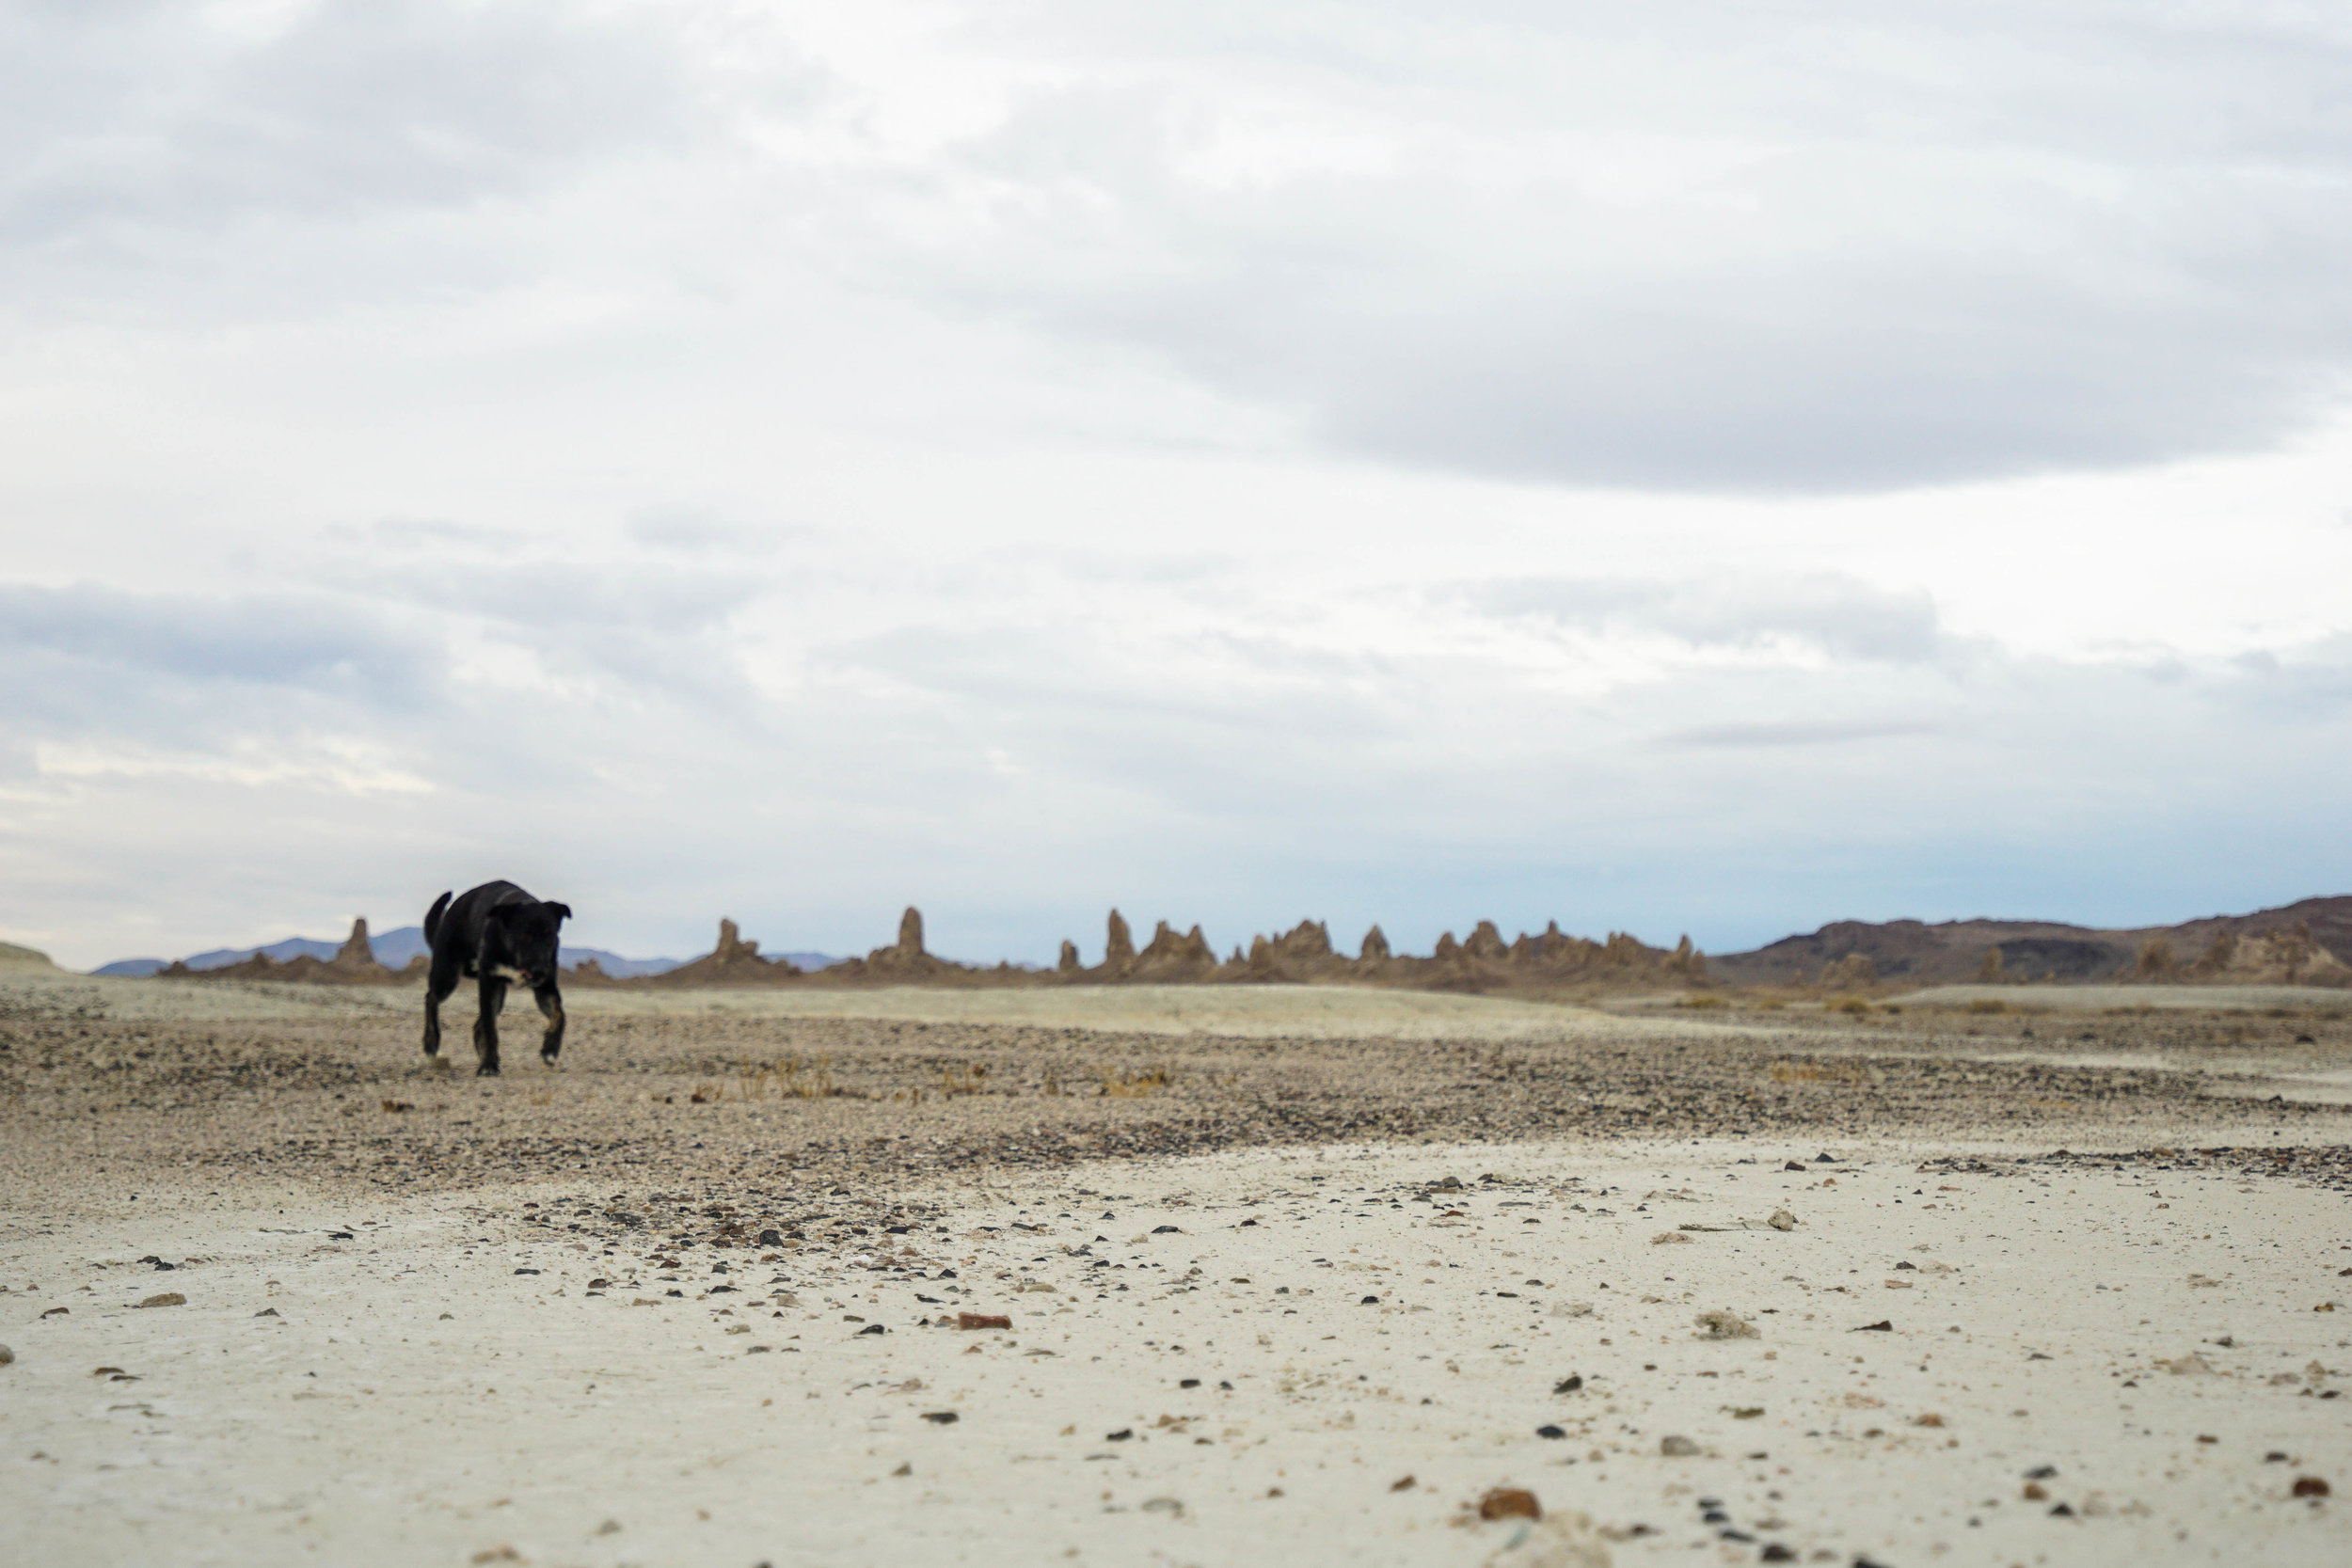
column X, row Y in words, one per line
column 2153, row 1323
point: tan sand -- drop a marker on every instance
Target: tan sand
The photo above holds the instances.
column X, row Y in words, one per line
column 2096, row 1317
column 358, row 1424
column 1244, row 1012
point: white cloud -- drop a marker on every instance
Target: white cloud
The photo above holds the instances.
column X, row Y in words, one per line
column 1691, row 468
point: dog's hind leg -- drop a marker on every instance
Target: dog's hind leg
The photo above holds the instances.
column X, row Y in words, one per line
column 486, row 1026
column 550, row 1002
column 438, row 987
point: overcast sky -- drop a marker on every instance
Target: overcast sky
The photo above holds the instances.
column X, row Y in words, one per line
column 1692, row 467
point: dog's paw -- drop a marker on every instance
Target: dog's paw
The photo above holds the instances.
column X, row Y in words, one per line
column 487, row 1070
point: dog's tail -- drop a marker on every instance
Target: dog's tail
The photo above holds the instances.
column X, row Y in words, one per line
column 433, row 921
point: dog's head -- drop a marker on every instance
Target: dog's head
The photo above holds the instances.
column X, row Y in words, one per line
column 530, row 934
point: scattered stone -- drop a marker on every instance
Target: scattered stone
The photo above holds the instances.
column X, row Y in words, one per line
column 170, row 1298
column 1163, row 1505
column 2035, row 1491
column 267, row 1312
column 2191, row 1365
column 1678, row 1448
column 1369, row 1301
column 526, row 1271
column 1782, row 1220
column 1776, row 1552
column 2309, row 1486
column 1667, row 1238
column 1119, row 1436
column 1572, row 1310
column 942, row 1417
column 1550, row 1431
column 2042, row 1472
column 159, row 1263
column 872, row 1328
column 1725, row 1325
column 1569, row 1385
column 1793, row 1164
column 1885, row 1325
column 1509, row 1502
column 1165, row 1230
column 1405, row 1485
column 982, row 1320
column 56, row 1311
column 8, row 1356
column 610, row 1526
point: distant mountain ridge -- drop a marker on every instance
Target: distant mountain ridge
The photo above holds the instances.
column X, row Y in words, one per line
column 393, row 950
column 2303, row 942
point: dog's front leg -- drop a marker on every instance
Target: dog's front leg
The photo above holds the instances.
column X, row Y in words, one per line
column 550, row 1002
column 486, row 1026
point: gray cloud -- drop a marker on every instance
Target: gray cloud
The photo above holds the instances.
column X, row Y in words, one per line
column 1794, row 732
column 158, row 115
column 269, row 640
column 1838, row 615
column 1701, row 258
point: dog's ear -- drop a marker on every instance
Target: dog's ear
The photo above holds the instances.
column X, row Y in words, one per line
column 563, row 911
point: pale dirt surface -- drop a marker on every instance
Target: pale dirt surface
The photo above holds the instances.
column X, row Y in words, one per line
column 1296, row 1012
column 359, row 1425
column 2101, row 999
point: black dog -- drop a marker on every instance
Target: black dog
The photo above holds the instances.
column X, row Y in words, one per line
column 494, row 934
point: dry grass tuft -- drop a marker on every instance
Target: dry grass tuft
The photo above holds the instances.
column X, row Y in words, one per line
column 1818, row 1071
column 1117, row 1087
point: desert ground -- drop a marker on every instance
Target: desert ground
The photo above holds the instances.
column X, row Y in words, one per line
column 1286, row 1273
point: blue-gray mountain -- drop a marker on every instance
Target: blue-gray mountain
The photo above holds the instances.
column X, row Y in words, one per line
column 394, row 949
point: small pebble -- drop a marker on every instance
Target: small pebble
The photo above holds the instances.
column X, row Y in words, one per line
column 1509, row 1502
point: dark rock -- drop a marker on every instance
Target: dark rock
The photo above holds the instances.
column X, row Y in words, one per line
column 1569, row 1385
column 1509, row 1502
column 1549, row 1431
column 2309, row 1486
column 1885, row 1325
column 942, row 1417
column 873, row 1328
